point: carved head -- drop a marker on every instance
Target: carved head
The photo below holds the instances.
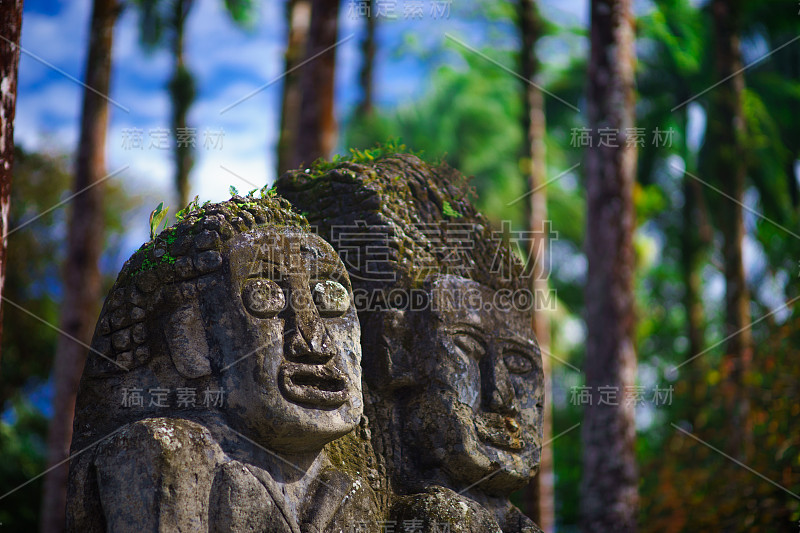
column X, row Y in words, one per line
column 296, row 382
column 241, row 300
column 481, row 402
column 449, row 352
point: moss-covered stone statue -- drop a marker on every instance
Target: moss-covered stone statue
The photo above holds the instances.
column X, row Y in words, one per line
column 224, row 367
column 452, row 371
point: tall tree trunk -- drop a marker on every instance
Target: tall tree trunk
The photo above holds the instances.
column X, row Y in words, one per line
column 368, row 54
column 609, row 497
column 298, row 19
column 691, row 251
column 726, row 131
column 696, row 236
column 11, row 24
column 540, row 498
column 316, row 118
column 81, row 270
column 182, row 93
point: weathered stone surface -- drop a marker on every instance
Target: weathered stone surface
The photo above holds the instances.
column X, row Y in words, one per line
column 121, row 340
column 208, row 261
column 222, row 417
column 207, row 240
column 439, row 508
column 184, row 268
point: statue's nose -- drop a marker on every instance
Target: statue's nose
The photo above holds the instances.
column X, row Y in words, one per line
column 498, row 389
column 308, row 340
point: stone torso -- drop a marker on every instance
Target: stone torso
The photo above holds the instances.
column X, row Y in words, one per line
column 164, row 474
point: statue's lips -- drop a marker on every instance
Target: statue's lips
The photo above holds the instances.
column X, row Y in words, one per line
column 315, row 385
column 499, row 431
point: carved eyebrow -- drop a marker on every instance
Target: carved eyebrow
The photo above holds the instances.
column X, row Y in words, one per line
column 526, row 344
column 321, row 269
column 520, row 343
column 471, row 328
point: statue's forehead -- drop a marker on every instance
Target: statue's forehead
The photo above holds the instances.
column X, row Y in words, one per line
column 284, row 249
column 457, row 300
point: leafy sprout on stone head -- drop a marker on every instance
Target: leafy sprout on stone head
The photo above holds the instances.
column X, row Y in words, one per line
column 158, row 214
column 191, row 206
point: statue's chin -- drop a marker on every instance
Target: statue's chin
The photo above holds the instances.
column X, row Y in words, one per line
column 306, row 440
column 484, row 448
column 478, row 469
column 294, row 428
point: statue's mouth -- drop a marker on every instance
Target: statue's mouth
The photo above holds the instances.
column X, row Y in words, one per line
column 313, row 385
column 499, row 431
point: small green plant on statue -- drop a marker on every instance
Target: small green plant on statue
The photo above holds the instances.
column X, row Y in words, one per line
column 158, row 214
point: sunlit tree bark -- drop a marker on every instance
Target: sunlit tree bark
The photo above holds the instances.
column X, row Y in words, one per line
column 609, row 496
column 540, row 496
column 11, row 24
column 298, row 19
column 316, row 129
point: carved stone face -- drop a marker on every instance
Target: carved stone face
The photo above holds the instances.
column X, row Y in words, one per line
column 482, row 404
column 292, row 373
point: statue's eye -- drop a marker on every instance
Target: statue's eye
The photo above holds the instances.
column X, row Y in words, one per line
column 469, row 344
column 263, row 298
column 517, row 362
column 330, row 297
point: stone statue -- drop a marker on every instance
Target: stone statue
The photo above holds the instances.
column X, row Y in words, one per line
column 223, row 388
column 453, row 383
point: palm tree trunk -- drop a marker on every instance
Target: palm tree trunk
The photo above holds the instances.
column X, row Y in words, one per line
column 81, row 270
column 691, row 250
column 543, row 497
column 540, row 498
column 316, row 119
column 298, row 16
column 11, row 24
column 368, row 54
column 696, row 236
column 726, row 136
column 182, row 94
column 609, row 496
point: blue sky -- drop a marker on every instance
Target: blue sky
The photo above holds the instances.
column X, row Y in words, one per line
column 229, row 63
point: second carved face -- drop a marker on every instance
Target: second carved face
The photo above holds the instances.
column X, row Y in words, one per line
column 480, row 402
